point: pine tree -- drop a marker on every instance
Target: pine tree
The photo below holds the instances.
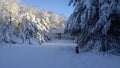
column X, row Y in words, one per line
column 96, row 23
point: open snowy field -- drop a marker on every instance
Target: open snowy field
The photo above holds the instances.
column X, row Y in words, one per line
column 55, row 54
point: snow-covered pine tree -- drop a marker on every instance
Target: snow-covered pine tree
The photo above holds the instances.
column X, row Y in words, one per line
column 96, row 24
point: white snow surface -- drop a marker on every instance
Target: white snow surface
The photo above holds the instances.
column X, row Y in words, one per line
column 55, row 54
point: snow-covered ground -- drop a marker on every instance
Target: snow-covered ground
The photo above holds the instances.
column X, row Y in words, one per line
column 55, row 54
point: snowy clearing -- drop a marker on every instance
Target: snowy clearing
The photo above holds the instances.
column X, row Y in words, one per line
column 55, row 54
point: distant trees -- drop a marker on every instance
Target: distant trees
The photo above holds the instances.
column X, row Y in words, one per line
column 96, row 24
column 25, row 24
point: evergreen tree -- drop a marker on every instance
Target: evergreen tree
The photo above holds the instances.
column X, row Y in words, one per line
column 96, row 24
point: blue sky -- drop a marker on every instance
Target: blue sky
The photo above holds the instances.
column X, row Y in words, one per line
column 56, row 6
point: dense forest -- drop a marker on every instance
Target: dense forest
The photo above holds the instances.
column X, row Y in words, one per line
column 21, row 23
column 95, row 25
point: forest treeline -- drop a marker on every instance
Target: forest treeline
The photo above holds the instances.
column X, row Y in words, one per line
column 21, row 23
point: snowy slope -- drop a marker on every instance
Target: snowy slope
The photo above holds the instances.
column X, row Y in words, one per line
column 55, row 54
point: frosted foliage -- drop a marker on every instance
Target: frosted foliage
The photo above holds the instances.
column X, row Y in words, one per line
column 97, row 20
column 21, row 24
